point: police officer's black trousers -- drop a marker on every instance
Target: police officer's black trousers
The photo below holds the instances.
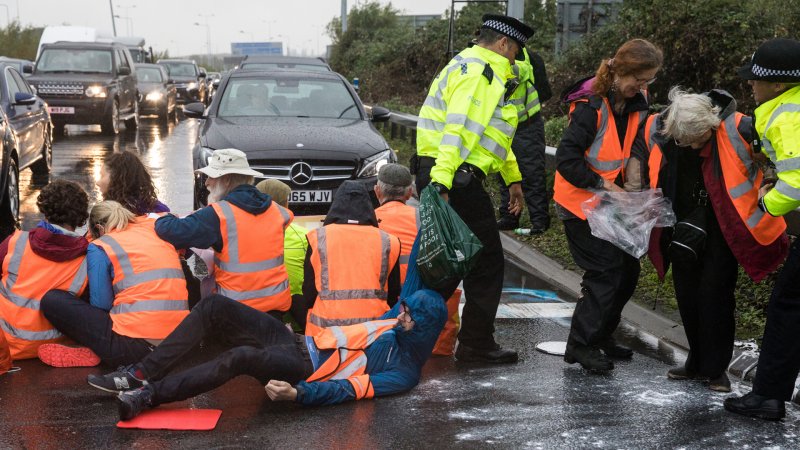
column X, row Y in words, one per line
column 528, row 147
column 779, row 361
column 482, row 287
column 704, row 290
column 608, row 282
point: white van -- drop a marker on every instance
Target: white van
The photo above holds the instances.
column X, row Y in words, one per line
column 66, row 33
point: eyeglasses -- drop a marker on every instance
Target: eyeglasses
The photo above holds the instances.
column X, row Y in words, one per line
column 644, row 80
column 407, row 311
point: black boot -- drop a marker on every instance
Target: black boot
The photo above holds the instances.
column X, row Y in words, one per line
column 614, row 350
column 589, row 357
column 755, row 405
column 508, row 223
column 494, row 355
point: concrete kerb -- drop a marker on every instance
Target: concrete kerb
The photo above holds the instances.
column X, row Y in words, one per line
column 568, row 283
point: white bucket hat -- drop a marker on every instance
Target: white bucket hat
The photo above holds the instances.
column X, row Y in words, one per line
column 226, row 161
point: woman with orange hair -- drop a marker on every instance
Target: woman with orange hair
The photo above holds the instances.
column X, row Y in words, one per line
column 595, row 154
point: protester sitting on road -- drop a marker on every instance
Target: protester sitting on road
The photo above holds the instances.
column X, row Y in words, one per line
column 50, row 256
column 124, row 179
column 294, row 251
column 245, row 229
column 376, row 358
column 395, row 217
column 605, row 113
column 137, row 297
column 352, row 273
column 700, row 156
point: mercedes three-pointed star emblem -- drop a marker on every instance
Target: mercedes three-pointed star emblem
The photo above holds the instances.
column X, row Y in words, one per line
column 300, row 173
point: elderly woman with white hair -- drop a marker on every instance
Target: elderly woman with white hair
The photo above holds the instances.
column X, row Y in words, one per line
column 699, row 153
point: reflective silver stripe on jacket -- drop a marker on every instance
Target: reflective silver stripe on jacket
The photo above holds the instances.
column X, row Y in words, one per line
column 328, row 323
column 594, row 151
column 425, row 123
column 455, row 141
column 765, row 143
column 352, row 294
column 29, row 335
column 787, row 190
column 150, row 305
column 729, row 125
column 131, row 278
column 258, row 293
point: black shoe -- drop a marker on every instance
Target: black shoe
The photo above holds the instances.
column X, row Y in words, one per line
column 507, row 223
column 755, row 405
column 131, row 403
column 720, row 383
column 538, row 228
column 495, row 355
column 614, row 350
column 124, row 379
column 681, row 373
column 589, row 357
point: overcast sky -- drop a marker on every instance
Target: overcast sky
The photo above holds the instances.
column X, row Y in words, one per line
column 170, row 24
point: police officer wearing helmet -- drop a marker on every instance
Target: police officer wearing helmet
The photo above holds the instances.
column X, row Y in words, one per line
column 464, row 133
column 774, row 74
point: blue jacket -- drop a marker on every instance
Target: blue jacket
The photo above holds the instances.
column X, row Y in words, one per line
column 395, row 359
column 201, row 228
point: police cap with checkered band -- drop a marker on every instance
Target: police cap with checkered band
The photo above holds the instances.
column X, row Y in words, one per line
column 776, row 60
column 508, row 26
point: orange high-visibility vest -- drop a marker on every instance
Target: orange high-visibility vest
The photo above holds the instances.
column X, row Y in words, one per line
column 742, row 176
column 250, row 269
column 5, row 355
column 606, row 156
column 351, row 265
column 401, row 220
column 26, row 278
column 349, row 361
column 150, row 297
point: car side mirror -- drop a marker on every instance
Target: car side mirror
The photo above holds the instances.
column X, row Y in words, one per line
column 194, row 110
column 23, row 98
column 124, row 71
column 27, row 68
column 215, row 83
column 380, row 114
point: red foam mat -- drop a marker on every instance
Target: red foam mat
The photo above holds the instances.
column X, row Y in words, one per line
column 174, row 419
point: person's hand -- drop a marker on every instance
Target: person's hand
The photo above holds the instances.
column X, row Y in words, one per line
column 610, row 186
column 280, row 391
column 764, row 189
column 445, row 196
column 516, row 200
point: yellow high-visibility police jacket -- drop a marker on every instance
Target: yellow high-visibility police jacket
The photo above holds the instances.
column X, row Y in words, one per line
column 526, row 97
column 466, row 118
column 778, row 124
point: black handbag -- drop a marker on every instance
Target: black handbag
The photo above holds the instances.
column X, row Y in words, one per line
column 689, row 236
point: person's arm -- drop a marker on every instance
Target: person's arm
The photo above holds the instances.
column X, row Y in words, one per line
column 394, row 285
column 309, row 284
column 464, row 118
column 199, row 229
column 636, row 168
column 579, row 135
column 540, row 80
column 100, row 272
column 339, row 391
column 784, row 197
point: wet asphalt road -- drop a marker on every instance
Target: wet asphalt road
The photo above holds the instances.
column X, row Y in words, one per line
column 541, row 402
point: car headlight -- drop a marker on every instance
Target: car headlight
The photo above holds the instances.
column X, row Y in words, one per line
column 374, row 163
column 192, row 85
column 154, row 96
column 96, row 91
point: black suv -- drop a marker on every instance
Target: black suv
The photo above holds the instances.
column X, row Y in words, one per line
column 189, row 80
column 87, row 83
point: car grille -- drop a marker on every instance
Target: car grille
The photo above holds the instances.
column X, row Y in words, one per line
column 60, row 90
column 320, row 170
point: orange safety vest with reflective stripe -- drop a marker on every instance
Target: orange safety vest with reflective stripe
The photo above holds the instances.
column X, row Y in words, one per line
column 401, row 220
column 349, row 361
column 742, row 177
column 351, row 265
column 606, row 156
column 150, row 297
column 250, row 269
column 26, row 278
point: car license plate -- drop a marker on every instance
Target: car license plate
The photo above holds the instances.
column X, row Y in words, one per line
column 310, row 197
column 61, row 110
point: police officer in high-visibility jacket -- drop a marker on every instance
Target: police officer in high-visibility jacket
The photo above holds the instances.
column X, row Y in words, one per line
column 774, row 74
column 395, row 217
column 352, row 273
column 464, row 133
column 245, row 229
column 50, row 256
column 529, row 145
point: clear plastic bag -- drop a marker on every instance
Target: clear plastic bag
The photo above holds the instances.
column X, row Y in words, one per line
column 626, row 219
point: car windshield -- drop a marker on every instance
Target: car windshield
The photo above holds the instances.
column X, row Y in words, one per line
column 181, row 69
column 74, row 60
column 262, row 66
column 288, row 98
column 148, row 75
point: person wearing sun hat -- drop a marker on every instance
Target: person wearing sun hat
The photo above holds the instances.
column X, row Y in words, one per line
column 245, row 229
column 464, row 133
column 774, row 75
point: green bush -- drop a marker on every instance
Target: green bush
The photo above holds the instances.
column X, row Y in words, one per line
column 554, row 129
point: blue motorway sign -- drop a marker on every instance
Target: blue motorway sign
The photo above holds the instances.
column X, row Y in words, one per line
column 256, row 48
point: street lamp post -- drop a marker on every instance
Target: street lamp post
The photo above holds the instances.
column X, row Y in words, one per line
column 208, row 31
column 128, row 23
column 8, row 16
